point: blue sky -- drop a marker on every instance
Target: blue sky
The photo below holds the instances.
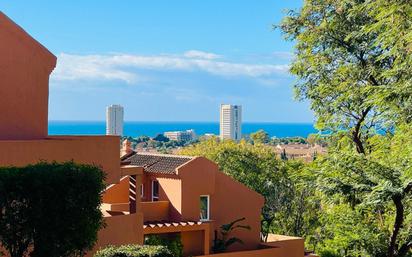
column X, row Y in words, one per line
column 165, row 60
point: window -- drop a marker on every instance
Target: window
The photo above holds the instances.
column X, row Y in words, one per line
column 155, row 190
column 204, row 207
column 141, row 190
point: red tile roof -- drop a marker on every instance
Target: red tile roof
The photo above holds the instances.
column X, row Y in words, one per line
column 156, row 163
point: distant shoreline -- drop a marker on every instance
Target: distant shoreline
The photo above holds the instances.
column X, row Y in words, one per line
column 151, row 128
column 138, row 121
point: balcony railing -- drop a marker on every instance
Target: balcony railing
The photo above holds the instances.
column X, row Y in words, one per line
column 155, row 211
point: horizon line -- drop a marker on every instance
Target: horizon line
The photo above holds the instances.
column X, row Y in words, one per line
column 188, row 121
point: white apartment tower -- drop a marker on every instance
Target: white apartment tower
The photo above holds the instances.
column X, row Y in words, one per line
column 230, row 122
column 114, row 120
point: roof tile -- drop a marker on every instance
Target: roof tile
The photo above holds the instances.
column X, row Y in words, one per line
column 157, row 163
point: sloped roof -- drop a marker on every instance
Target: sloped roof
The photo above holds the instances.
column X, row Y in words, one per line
column 9, row 25
column 156, row 163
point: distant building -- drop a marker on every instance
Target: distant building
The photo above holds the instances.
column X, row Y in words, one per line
column 230, row 122
column 186, row 136
column 114, row 120
column 303, row 152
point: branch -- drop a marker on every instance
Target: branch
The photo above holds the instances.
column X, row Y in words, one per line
column 408, row 188
column 356, row 132
column 403, row 250
column 397, row 200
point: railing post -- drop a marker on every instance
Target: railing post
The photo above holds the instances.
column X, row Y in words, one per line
column 132, row 193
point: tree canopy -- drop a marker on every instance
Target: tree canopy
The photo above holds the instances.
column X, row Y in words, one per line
column 50, row 209
column 353, row 63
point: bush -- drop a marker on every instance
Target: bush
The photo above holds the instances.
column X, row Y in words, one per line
column 134, row 251
column 170, row 241
column 329, row 253
column 50, row 208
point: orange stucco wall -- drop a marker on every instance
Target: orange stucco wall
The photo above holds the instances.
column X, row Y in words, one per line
column 155, row 211
column 117, row 193
column 25, row 67
column 281, row 246
column 120, row 230
column 171, row 190
column 288, row 246
column 229, row 200
column 270, row 252
column 193, row 242
column 102, row 151
column 232, row 200
column 198, row 178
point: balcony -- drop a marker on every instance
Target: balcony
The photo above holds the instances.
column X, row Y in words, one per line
column 155, row 211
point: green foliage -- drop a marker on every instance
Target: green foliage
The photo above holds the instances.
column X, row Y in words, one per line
column 134, row 251
column 260, row 137
column 353, row 63
column 313, row 139
column 160, row 143
column 170, row 241
column 50, row 208
column 329, row 253
column 161, row 138
column 287, row 140
column 220, row 245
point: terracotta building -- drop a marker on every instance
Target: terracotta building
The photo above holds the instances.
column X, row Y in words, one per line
column 147, row 194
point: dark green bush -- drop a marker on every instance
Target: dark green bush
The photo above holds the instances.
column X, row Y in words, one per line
column 134, row 251
column 173, row 242
column 53, row 209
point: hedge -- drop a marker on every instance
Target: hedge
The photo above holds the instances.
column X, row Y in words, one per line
column 53, row 209
column 134, row 251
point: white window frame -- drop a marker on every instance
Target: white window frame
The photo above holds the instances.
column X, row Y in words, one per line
column 158, row 188
column 208, row 207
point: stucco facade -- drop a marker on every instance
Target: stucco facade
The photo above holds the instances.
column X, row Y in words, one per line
column 25, row 68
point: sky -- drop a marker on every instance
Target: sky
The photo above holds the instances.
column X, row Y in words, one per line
column 165, row 60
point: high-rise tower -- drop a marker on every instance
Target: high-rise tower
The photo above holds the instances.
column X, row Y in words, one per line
column 114, row 120
column 230, row 122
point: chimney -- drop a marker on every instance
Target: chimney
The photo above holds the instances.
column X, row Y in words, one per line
column 126, row 147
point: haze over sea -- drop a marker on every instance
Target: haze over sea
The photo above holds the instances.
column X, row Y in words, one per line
column 152, row 128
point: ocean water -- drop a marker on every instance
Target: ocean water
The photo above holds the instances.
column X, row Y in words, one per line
column 138, row 128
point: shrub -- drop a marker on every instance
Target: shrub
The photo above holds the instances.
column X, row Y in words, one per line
column 134, row 251
column 329, row 253
column 170, row 241
column 50, row 208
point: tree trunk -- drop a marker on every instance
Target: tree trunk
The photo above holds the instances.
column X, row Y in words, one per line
column 356, row 133
column 397, row 200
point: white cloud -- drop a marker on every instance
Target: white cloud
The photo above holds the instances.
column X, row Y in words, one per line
column 201, row 55
column 126, row 67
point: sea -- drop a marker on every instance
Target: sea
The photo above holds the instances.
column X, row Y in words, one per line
column 151, row 129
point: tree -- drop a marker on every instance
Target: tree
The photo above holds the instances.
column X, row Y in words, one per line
column 393, row 29
column 260, row 137
column 50, row 209
column 160, row 138
column 354, row 66
column 339, row 67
